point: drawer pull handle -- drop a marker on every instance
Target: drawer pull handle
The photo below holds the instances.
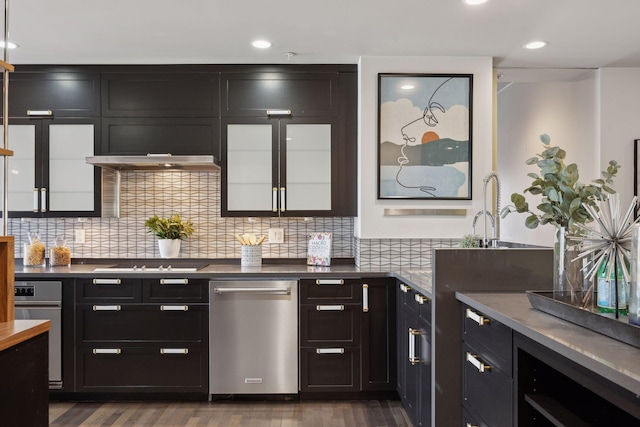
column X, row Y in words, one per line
column 480, row 366
column 330, row 282
column 43, row 199
column 107, row 281
column 413, row 336
column 420, row 299
column 174, row 351
column 174, row 308
column 480, row 320
column 404, row 288
column 174, row 281
column 106, row 351
column 365, row 298
column 330, row 307
column 107, row 308
column 329, row 350
column 471, row 425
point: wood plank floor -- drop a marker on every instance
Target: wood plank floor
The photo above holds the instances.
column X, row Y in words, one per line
column 375, row 413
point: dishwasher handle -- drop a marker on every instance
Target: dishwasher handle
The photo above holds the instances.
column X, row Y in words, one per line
column 253, row 290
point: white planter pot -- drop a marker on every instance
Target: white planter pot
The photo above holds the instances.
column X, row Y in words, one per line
column 169, row 248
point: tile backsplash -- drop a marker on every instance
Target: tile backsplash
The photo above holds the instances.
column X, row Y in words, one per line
column 192, row 195
column 196, row 196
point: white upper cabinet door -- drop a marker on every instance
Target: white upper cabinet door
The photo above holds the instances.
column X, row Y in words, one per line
column 249, row 167
column 308, row 172
column 71, row 179
column 22, row 192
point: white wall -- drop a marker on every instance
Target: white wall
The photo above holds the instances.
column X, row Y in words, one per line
column 371, row 222
column 564, row 111
column 619, row 123
column 594, row 119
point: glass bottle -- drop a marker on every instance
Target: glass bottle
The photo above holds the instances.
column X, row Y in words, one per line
column 607, row 290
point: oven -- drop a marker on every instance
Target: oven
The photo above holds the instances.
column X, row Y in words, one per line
column 43, row 301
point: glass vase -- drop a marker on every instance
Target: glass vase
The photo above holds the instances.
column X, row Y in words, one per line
column 570, row 282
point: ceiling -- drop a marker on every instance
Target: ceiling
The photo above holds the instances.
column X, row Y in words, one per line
column 582, row 34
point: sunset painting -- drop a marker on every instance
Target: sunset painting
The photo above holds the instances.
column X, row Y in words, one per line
column 424, row 131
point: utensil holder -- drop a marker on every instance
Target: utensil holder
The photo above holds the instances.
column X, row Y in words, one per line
column 251, row 256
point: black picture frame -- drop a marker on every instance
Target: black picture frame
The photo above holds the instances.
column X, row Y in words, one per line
column 425, row 130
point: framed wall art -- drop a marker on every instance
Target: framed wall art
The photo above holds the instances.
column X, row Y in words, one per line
column 424, row 136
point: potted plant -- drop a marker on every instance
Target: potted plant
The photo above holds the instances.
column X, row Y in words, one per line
column 169, row 231
column 563, row 204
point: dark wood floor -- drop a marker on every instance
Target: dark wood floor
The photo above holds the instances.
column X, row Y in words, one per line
column 380, row 413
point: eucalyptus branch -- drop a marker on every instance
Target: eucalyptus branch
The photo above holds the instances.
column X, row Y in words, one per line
column 564, row 199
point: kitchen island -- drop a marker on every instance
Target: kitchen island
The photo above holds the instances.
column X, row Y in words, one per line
column 560, row 370
column 24, row 398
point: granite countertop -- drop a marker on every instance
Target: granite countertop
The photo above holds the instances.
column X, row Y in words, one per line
column 607, row 357
column 17, row 331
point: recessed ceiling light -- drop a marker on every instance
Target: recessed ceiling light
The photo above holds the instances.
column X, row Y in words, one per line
column 11, row 45
column 407, row 87
column 535, row 44
column 474, row 2
column 261, row 44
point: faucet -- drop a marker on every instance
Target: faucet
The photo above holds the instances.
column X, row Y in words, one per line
column 495, row 218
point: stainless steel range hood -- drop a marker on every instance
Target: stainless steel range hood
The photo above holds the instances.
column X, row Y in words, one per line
column 156, row 163
column 112, row 166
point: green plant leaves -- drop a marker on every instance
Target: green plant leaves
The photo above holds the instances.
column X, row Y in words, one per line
column 563, row 196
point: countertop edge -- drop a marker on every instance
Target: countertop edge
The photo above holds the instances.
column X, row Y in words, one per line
column 17, row 331
column 596, row 361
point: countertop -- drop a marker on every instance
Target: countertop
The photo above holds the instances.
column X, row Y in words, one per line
column 420, row 279
column 17, row 331
column 609, row 358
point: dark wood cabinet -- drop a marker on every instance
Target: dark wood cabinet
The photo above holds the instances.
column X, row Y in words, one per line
column 346, row 330
column 487, row 377
column 142, row 335
column 414, row 353
column 160, row 112
column 52, row 178
column 289, row 144
column 550, row 389
column 379, row 335
column 173, row 135
column 303, row 93
column 160, row 94
column 46, row 93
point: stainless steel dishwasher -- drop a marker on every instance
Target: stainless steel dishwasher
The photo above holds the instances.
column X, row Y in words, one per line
column 253, row 337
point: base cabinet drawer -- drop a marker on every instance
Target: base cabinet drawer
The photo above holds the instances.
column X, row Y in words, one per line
column 329, row 369
column 98, row 323
column 176, row 289
column 330, row 291
column 329, row 324
column 108, row 289
column 486, row 389
column 113, row 368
